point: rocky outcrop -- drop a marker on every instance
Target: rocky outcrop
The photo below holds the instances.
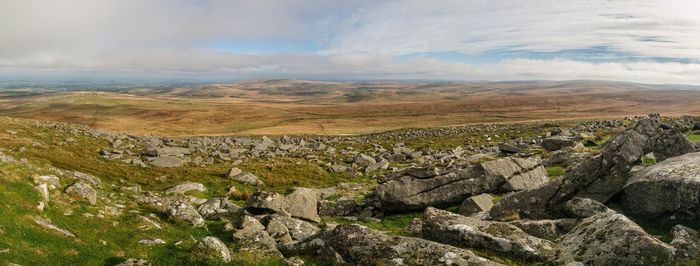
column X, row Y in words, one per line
column 449, row 228
column 610, row 238
column 360, row 245
column 599, row 177
column 669, row 188
column 669, row 144
column 416, row 189
column 182, row 211
column 302, row 203
column 516, row 173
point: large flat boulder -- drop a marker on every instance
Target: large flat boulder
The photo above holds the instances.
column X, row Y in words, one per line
column 671, row 187
column 359, row 245
column 610, row 238
column 417, row 189
column 449, row 228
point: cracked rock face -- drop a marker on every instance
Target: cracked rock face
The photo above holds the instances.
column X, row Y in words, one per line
column 365, row 246
column 611, row 238
column 209, row 248
column 449, row 228
column 669, row 188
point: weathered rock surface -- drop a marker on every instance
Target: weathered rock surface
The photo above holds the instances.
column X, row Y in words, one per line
column 670, row 144
column 557, row 143
column 211, row 248
column 518, row 173
column 183, row 211
column 186, row 187
column 420, row 188
column 83, row 191
column 686, row 242
column 612, row 239
column 667, row 188
column 546, row 229
column 360, row 245
column 599, row 177
column 303, row 203
column 135, row 262
column 449, row 228
column 475, row 204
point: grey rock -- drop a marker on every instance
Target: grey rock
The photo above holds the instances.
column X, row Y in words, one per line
column 449, row 228
column 685, row 240
column 45, row 223
column 83, row 191
column 670, row 144
column 341, row 207
column 168, row 161
column 475, row 204
column 518, row 173
column 135, row 262
column 211, row 248
column 612, row 239
column 557, row 143
column 599, row 177
column 183, row 211
column 185, row 187
column 666, row 188
column 303, row 203
column 417, row 189
column 248, row 178
column 297, row 229
column 359, row 245
column 257, row 242
column 546, row 229
column 266, row 202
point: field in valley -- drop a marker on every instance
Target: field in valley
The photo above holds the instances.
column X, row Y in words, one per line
column 306, row 107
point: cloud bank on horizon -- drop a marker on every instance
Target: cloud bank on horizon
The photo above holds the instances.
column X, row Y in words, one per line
column 638, row 41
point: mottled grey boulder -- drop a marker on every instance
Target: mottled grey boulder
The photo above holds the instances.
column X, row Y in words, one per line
column 182, row 211
column 168, row 161
column 417, row 189
column 670, row 144
column 599, row 177
column 475, row 204
column 668, row 188
column 265, row 202
column 612, row 239
column 517, row 173
column 185, row 187
column 359, row 245
column 297, row 229
column 211, row 248
column 341, row 207
column 257, row 242
column 83, row 191
column 546, row 229
column 685, row 240
column 303, row 203
column 135, row 262
column 449, row 228
column 217, row 206
column 557, row 143
column 247, row 178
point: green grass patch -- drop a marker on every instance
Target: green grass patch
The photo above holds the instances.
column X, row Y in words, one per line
column 554, row 172
column 647, row 161
column 694, row 136
column 392, row 224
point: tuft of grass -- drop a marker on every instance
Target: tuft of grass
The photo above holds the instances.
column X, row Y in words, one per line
column 694, row 136
column 647, row 161
column 496, row 198
column 554, row 172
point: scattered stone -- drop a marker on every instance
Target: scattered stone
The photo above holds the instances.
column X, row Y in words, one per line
column 83, row 191
column 152, row 241
column 183, row 211
column 557, row 143
column 186, row 187
column 135, row 262
column 211, row 248
column 45, row 223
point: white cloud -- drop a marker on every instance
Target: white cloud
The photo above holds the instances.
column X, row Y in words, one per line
column 356, row 39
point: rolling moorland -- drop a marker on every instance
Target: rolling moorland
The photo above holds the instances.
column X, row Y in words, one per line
column 512, row 173
column 278, row 107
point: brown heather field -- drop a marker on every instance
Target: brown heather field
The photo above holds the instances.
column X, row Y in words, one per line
column 306, row 107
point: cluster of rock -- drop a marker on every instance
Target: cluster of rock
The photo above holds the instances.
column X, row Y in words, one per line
column 564, row 220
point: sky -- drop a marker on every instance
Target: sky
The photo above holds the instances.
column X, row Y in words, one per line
column 467, row 40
